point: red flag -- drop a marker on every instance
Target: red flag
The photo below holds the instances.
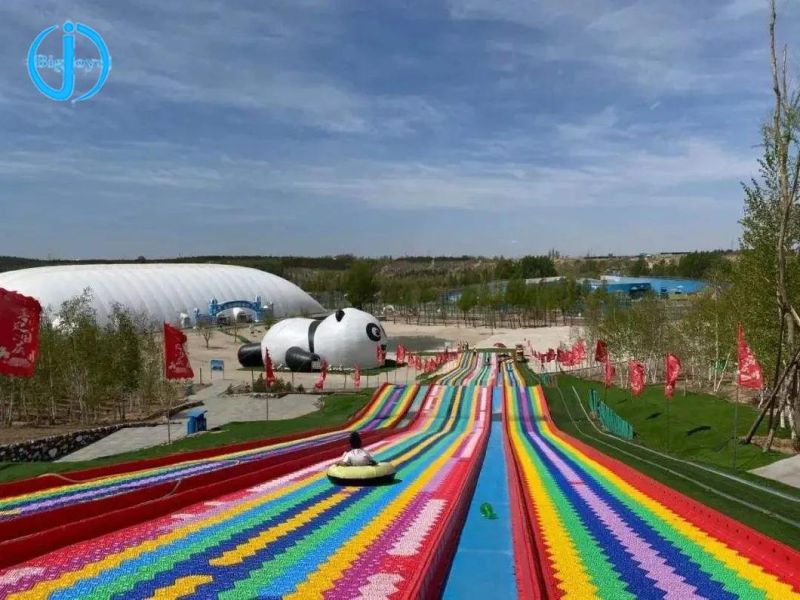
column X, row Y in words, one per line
column 322, row 375
column 357, row 377
column 400, row 355
column 579, row 351
column 600, row 352
column 636, row 376
column 270, row 373
column 608, row 374
column 750, row 374
column 19, row 333
column 673, row 370
column 176, row 360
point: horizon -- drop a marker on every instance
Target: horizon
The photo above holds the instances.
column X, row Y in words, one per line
column 458, row 127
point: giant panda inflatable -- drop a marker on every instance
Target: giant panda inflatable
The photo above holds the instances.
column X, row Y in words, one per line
column 346, row 338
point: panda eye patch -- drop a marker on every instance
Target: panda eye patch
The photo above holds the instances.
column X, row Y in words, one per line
column 374, row 332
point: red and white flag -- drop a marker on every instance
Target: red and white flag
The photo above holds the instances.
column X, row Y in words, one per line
column 608, row 373
column 323, row 373
column 400, row 354
column 269, row 371
column 19, row 333
column 357, row 377
column 750, row 374
column 636, row 376
column 380, row 354
column 600, row 352
column 176, row 361
column 673, row 371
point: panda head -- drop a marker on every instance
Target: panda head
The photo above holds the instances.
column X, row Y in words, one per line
column 350, row 336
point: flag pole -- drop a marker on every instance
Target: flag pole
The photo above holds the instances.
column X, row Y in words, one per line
column 668, row 427
column 735, row 426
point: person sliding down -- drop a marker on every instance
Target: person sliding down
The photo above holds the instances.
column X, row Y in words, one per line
column 356, row 456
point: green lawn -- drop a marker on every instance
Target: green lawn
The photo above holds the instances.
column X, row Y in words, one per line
column 776, row 516
column 697, row 427
column 338, row 408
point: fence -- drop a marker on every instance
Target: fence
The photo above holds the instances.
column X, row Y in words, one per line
column 610, row 420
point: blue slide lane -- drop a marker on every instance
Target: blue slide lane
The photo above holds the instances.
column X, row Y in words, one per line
column 483, row 566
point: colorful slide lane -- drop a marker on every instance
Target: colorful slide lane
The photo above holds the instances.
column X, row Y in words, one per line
column 483, row 565
column 473, row 368
column 603, row 530
column 385, row 410
column 298, row 536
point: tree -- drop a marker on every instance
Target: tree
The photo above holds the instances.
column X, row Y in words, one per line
column 360, row 284
column 772, row 216
column 639, row 268
column 467, row 301
column 205, row 331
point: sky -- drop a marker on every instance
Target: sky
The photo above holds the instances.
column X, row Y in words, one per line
column 373, row 127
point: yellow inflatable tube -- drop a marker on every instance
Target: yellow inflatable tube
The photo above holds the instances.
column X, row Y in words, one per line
column 346, row 475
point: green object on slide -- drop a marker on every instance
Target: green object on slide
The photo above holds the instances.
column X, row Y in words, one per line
column 487, row 511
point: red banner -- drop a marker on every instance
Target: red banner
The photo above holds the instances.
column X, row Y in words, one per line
column 270, row 372
column 673, row 371
column 579, row 351
column 750, row 374
column 566, row 357
column 600, row 352
column 357, row 377
column 323, row 374
column 176, row 361
column 19, row 333
column 608, row 374
column 636, row 376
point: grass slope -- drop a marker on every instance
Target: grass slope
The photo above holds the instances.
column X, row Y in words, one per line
column 725, row 495
column 337, row 409
column 699, row 427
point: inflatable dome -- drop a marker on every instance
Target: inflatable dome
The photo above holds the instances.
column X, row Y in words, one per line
column 162, row 291
column 346, row 338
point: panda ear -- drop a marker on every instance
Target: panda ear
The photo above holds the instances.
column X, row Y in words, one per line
column 339, row 315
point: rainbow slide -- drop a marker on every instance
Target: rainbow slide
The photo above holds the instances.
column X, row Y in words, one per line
column 577, row 523
column 297, row 536
column 592, row 527
column 51, row 517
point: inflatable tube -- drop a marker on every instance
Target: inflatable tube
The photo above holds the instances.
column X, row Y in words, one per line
column 370, row 475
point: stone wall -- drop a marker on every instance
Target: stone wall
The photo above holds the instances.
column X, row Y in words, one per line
column 54, row 447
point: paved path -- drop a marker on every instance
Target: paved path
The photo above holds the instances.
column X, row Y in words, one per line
column 221, row 411
column 786, row 471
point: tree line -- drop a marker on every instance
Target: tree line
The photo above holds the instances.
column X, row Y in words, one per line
column 90, row 373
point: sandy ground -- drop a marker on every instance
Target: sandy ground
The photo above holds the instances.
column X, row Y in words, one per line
column 225, row 347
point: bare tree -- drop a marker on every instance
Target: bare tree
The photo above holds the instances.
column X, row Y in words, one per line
column 205, row 331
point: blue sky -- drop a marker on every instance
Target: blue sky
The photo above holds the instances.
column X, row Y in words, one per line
column 496, row 127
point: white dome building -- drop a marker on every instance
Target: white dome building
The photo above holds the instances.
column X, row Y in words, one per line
column 164, row 292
